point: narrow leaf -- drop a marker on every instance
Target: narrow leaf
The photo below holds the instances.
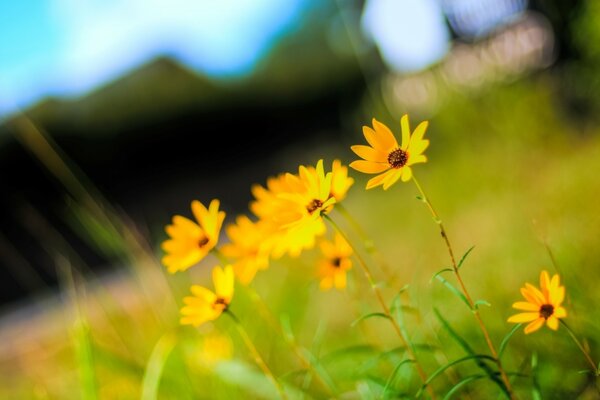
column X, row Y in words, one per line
column 367, row 316
column 454, row 290
column 393, row 375
column 440, row 272
column 155, row 366
column 464, row 257
column 505, row 340
column 478, row 303
column 536, row 393
column 443, row 368
column 462, row 383
column 465, row 346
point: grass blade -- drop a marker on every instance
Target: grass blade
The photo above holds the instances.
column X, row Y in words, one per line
column 462, row 383
column 504, row 342
column 155, row 366
column 367, row 316
column 465, row 346
column 464, row 257
column 443, row 368
column 392, row 377
column 454, row 290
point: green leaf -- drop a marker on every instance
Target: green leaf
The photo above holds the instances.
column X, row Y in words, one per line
column 80, row 333
column 440, row 272
column 505, row 340
column 254, row 382
column 464, row 257
column 481, row 303
column 399, row 317
column 443, row 368
column 465, row 346
column 536, row 392
column 462, row 383
column 454, row 290
column 393, row 375
column 155, row 366
column 367, row 316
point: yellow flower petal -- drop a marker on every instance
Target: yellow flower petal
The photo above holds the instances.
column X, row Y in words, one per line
column 373, row 140
column 224, row 282
column 524, row 317
column 535, row 293
column 557, row 295
column 369, row 167
column 339, row 279
column 534, row 326
column 326, row 283
column 392, row 178
column 525, row 306
column 405, row 131
column 385, row 135
column 416, row 159
column 369, row 153
column 419, row 132
column 204, row 294
column 552, row 322
column 187, row 226
column 406, row 174
column 545, row 283
column 560, row 312
column 378, row 180
column 416, row 147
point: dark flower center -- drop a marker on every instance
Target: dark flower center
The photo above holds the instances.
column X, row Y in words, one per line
column 546, row 310
column 336, row 262
column 220, row 302
column 314, row 205
column 398, row 158
column 202, row 242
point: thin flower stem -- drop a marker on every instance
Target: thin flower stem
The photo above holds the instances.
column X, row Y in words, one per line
column 276, row 326
column 368, row 243
column 384, row 306
column 474, row 309
column 587, row 355
column 257, row 357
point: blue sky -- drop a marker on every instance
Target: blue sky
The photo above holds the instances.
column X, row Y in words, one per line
column 69, row 47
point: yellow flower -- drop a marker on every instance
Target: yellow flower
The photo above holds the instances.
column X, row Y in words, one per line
column 291, row 207
column 215, row 348
column 190, row 242
column 542, row 305
column 336, row 261
column 340, row 182
column 309, row 196
column 206, row 305
column 248, row 247
column 385, row 157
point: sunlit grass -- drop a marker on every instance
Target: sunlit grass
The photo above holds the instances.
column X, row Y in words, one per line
column 507, row 176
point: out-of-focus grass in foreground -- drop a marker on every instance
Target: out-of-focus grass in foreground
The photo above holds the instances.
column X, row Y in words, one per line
column 508, row 173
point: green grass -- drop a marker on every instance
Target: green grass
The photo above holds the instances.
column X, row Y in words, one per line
column 508, row 174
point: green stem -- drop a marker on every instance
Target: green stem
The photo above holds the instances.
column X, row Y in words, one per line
column 368, row 243
column 474, row 309
column 276, row 326
column 586, row 353
column 257, row 357
column 384, row 306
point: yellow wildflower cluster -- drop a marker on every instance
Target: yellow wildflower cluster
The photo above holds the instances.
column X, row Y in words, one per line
column 287, row 218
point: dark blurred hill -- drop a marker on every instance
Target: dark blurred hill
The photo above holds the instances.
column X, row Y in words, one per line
column 162, row 135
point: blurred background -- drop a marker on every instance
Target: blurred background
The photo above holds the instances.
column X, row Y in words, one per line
column 115, row 114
